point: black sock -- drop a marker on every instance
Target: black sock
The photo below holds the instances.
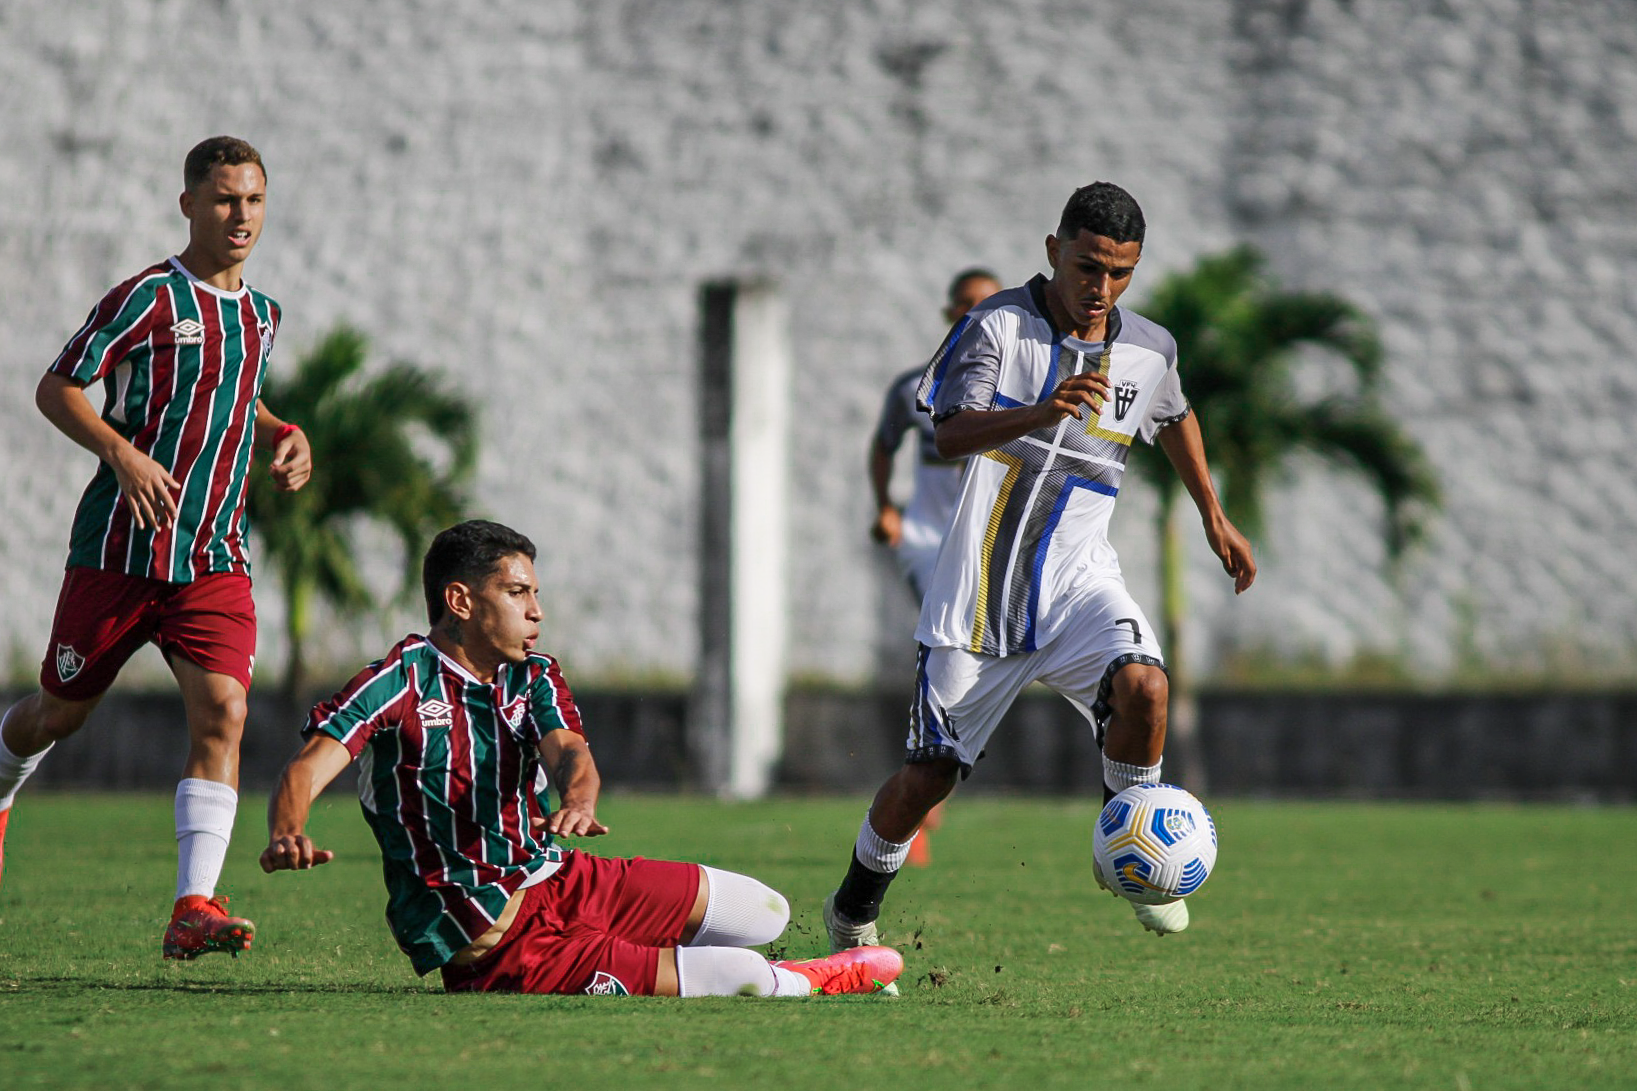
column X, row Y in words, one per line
column 859, row 896
column 1108, row 794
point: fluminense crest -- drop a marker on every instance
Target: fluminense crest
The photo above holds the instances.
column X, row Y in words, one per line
column 69, row 662
column 606, row 984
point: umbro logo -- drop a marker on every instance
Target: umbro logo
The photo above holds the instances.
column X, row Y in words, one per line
column 1125, row 396
column 435, row 713
column 189, row 332
column 69, row 662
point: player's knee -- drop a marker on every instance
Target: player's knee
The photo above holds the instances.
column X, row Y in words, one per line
column 928, row 782
column 769, row 924
column 53, row 719
column 1141, row 695
column 741, row 912
column 220, row 718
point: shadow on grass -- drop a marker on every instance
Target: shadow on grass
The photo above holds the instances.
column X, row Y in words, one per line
column 20, row 985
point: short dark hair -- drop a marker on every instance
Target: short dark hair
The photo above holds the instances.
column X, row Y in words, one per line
column 218, row 151
column 976, row 272
column 1105, row 209
column 467, row 553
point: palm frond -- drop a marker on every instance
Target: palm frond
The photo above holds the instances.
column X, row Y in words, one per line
column 397, row 447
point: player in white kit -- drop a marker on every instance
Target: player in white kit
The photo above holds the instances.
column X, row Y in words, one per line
column 915, row 531
column 1044, row 388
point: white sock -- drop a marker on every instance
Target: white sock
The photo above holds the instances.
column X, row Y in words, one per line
column 1118, row 776
column 734, row 971
column 740, row 912
column 791, row 983
column 877, row 853
column 14, row 770
column 204, row 826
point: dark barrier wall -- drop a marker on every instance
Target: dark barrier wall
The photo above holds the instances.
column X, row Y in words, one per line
column 1372, row 745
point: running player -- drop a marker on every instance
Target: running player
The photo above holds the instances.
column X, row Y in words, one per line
column 915, row 532
column 158, row 548
column 1047, row 385
column 454, row 733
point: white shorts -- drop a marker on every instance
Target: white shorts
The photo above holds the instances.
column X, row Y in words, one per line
column 960, row 696
column 917, row 555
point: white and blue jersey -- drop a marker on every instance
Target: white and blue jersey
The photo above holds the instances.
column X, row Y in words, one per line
column 1029, row 541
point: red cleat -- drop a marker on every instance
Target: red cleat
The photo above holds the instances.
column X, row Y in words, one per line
column 201, row 925
column 855, row 970
column 4, row 815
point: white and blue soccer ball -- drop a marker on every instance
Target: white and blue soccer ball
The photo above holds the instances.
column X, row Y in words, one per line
column 1154, row 843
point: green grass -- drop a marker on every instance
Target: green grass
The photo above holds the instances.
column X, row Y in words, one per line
column 1338, row 946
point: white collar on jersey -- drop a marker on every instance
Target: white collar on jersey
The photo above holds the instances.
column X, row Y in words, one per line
column 244, row 285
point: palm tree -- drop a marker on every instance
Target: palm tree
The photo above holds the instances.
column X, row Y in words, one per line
column 1239, row 337
column 371, row 460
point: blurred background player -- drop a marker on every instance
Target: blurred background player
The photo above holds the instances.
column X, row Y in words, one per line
column 915, row 531
column 1044, row 387
column 477, row 887
column 158, row 548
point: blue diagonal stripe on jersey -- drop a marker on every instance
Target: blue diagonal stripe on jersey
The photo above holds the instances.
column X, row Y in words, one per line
column 940, row 362
column 1070, row 483
column 1052, row 379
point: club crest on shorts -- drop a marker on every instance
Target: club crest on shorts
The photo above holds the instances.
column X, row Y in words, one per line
column 1125, row 396
column 606, row 984
column 69, row 662
column 435, row 713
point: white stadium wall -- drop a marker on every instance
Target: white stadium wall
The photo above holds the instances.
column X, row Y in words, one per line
column 530, row 194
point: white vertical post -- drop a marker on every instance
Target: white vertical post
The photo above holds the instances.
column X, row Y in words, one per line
column 759, row 439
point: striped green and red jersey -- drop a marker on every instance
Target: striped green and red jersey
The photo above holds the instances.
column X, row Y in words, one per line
column 181, row 365
column 449, row 775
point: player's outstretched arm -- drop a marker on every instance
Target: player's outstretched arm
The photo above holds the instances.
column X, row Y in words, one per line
column 292, row 454
column 308, row 774
column 977, row 430
column 1184, row 445
column 149, row 489
column 578, row 784
column 888, row 528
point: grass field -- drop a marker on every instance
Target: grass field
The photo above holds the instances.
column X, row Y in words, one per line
column 1337, row 946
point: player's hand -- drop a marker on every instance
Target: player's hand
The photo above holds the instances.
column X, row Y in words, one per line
column 571, row 821
column 150, row 491
column 293, row 852
column 292, row 461
column 1234, row 551
column 888, row 528
column 1076, row 394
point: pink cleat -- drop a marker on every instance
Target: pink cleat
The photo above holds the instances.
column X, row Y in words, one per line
column 857, row 970
column 201, row 925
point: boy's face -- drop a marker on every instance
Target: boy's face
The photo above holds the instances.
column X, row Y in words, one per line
column 225, row 213
column 501, row 621
column 1089, row 274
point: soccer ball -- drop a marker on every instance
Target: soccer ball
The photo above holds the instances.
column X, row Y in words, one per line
column 1154, row 843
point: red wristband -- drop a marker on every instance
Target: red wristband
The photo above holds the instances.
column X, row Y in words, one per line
column 284, row 432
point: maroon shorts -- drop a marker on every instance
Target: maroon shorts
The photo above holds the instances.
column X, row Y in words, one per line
column 104, row 617
column 596, row 926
